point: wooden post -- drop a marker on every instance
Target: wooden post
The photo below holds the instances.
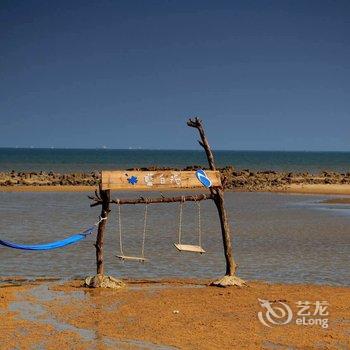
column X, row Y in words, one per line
column 143, row 200
column 230, row 278
column 225, row 231
column 105, row 197
column 100, row 280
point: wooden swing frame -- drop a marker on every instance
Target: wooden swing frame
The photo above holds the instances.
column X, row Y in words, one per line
column 216, row 193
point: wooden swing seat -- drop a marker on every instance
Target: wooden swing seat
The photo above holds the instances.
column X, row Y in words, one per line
column 133, row 258
column 189, row 248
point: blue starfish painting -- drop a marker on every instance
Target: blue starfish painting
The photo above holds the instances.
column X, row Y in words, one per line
column 132, row 180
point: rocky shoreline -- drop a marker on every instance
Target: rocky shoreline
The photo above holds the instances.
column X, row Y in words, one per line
column 244, row 180
column 273, row 180
column 42, row 178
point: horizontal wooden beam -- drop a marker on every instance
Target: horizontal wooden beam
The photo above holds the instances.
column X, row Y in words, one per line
column 143, row 200
column 159, row 180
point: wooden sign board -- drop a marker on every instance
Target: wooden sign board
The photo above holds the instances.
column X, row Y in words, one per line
column 155, row 180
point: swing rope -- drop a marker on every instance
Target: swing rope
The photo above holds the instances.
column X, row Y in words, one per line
column 199, row 224
column 120, row 229
column 143, row 233
column 199, row 227
column 144, row 230
column 180, row 218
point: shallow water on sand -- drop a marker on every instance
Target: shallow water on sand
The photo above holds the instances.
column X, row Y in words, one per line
column 276, row 237
column 34, row 310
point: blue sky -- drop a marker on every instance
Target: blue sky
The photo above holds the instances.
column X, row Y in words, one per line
column 263, row 75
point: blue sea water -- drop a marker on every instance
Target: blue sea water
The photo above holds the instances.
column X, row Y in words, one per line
column 70, row 160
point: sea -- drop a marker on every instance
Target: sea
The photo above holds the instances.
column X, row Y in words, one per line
column 75, row 160
column 279, row 238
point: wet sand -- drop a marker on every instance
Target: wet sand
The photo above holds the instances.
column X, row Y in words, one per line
column 337, row 200
column 317, row 189
column 173, row 314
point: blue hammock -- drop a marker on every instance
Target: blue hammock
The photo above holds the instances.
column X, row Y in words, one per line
column 53, row 245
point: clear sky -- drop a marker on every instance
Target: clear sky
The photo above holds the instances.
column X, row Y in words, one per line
column 263, row 75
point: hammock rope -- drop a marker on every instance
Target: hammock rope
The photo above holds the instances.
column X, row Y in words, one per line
column 56, row 244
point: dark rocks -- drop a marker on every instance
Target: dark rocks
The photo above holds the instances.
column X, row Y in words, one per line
column 245, row 180
column 48, row 179
column 267, row 180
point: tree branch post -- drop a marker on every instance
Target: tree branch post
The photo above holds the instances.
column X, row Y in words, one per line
column 143, row 200
column 218, row 196
column 105, row 198
column 100, row 280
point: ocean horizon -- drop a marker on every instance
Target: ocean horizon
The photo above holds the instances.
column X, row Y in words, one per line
column 84, row 159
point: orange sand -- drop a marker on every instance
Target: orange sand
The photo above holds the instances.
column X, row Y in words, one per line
column 318, row 189
column 182, row 314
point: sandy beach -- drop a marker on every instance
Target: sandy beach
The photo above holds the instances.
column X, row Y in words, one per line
column 173, row 314
column 175, row 175
column 318, row 189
